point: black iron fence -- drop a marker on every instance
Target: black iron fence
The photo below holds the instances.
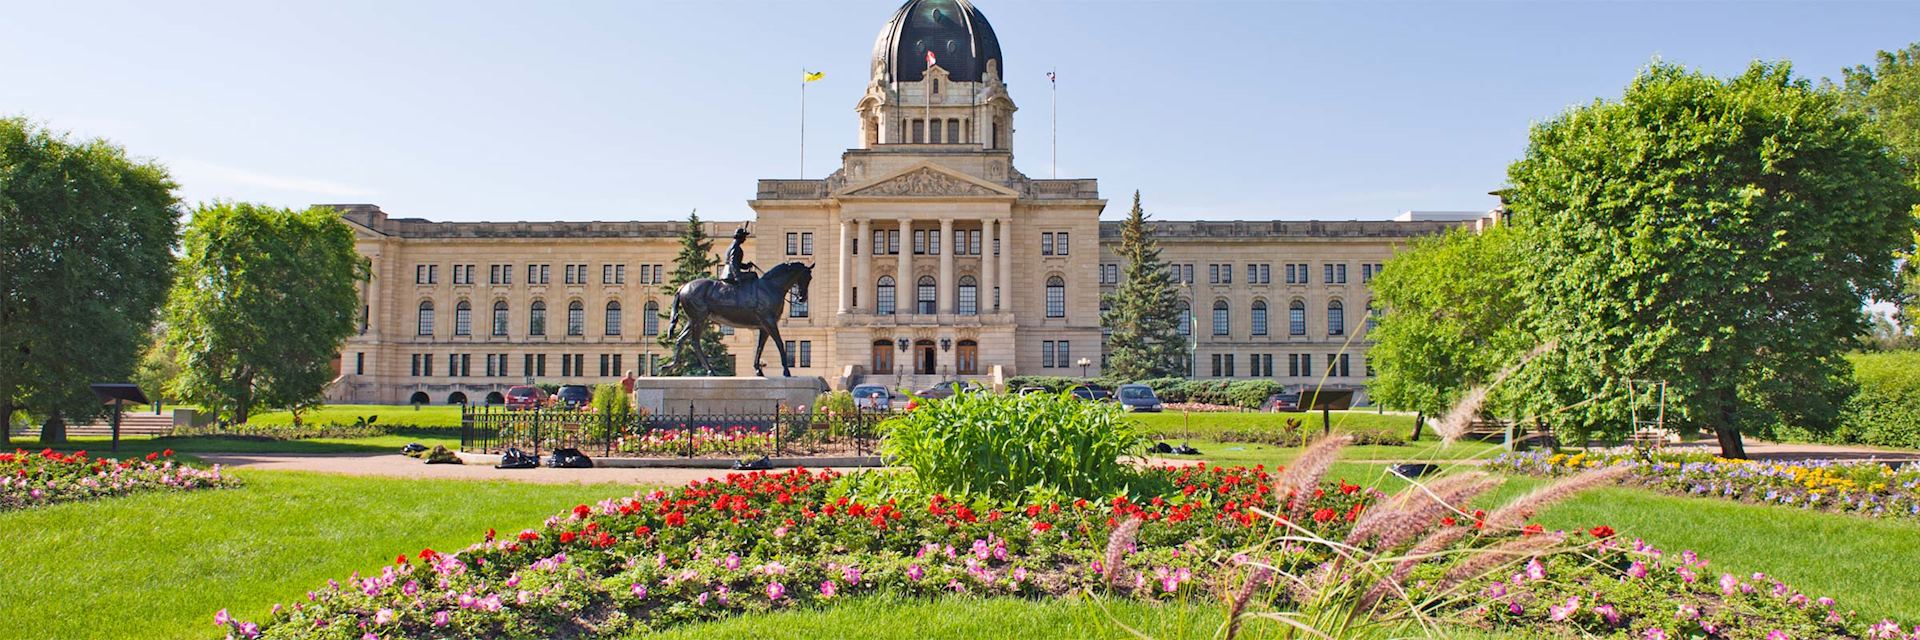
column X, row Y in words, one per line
column 685, row 434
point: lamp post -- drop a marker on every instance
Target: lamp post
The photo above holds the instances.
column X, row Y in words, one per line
column 1084, row 363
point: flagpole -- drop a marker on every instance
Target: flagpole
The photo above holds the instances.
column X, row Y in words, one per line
column 1053, row 80
column 803, row 123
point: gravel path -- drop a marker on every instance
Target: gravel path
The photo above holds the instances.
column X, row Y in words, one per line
column 399, row 466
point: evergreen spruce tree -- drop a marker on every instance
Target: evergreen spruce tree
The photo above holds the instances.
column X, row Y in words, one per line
column 1144, row 311
column 696, row 260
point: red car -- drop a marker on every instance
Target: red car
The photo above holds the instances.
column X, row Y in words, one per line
column 526, row 397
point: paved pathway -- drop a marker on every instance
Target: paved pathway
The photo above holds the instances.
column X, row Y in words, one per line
column 399, row 466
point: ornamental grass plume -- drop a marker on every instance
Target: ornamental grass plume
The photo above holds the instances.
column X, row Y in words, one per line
column 1118, row 545
column 1302, row 477
column 1461, row 416
column 1515, row 513
column 1397, row 520
column 1238, row 605
column 1485, row 561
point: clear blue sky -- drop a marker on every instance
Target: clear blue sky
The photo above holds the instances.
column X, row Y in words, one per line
column 630, row 110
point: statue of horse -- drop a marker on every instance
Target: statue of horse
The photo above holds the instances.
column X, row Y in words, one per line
column 758, row 304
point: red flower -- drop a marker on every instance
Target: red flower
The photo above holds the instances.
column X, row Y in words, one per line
column 567, row 537
column 1323, row 515
column 1531, row 529
column 879, row 520
column 153, row 456
column 1447, row 521
column 490, row 534
column 400, row 559
column 1348, row 489
column 676, row 519
column 529, row 536
column 641, row 531
column 1041, row 527
column 1602, row 532
column 1033, row 510
column 428, row 554
column 166, row 454
column 582, row 511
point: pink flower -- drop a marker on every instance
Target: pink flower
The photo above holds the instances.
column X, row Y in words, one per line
column 775, row 591
column 851, row 574
column 1609, row 614
column 1564, row 611
column 383, row 616
column 1638, row 569
column 1535, row 570
column 639, row 591
column 914, row 572
column 827, row 590
column 1776, row 635
column 442, row 618
column 1655, row 633
column 1687, row 612
column 221, row 618
column 732, row 562
column 1729, row 584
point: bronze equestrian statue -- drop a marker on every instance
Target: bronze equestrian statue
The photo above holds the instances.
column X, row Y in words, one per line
column 747, row 302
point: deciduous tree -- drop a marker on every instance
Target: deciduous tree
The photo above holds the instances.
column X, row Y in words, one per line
column 1719, row 234
column 88, row 236
column 265, row 299
column 1143, row 311
column 1452, row 318
column 1888, row 94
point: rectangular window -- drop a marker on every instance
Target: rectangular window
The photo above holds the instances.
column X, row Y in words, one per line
column 973, row 242
column 1326, row 276
column 1063, row 354
column 359, row 364
column 1046, row 244
column 1226, row 274
column 416, row 365
column 933, row 243
column 1293, row 364
column 566, row 365
column 1227, row 362
column 533, row 274
column 1213, row 274
column 919, row 242
column 793, row 349
column 506, row 274
column 526, row 364
column 806, row 353
column 880, row 242
column 793, row 243
column 996, row 246
column 539, row 365
column 893, row 242
column 606, row 274
column 797, row 310
column 619, row 274
column 646, row 274
column 1306, row 364
column 1046, row 354
column 806, row 243
column 419, row 274
column 605, row 364
column 1189, row 278
column 489, row 365
column 1344, row 365
column 1340, row 273
column 1332, row 365
column 453, row 365
column 1215, row 359
column 1060, row 244
column 426, row 364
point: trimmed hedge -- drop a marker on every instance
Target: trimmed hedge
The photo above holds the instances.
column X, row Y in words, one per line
column 1886, row 410
column 1246, row 394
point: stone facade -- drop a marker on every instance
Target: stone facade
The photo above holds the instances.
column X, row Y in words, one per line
column 934, row 258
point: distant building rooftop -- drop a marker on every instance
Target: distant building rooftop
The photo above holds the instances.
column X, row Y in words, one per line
column 1439, row 216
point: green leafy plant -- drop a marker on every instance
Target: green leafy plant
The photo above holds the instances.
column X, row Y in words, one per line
column 1001, row 445
column 612, row 409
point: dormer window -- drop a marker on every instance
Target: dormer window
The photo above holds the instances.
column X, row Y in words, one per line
column 936, row 86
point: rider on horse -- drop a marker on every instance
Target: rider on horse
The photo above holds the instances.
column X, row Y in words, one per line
column 738, row 271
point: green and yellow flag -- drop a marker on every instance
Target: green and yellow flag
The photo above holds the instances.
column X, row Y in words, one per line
column 813, row 75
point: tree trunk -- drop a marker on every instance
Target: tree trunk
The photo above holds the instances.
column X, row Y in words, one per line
column 1419, row 420
column 54, row 431
column 6, row 424
column 1728, row 430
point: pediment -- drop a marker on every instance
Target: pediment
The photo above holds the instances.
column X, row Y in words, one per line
column 926, row 180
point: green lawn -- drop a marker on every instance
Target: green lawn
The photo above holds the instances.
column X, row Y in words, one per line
column 97, row 446
column 1175, row 424
column 160, row 565
column 431, row 415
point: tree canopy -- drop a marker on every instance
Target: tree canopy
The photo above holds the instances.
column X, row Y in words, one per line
column 1887, row 93
column 1143, row 312
column 1451, row 318
column 88, row 236
column 695, row 260
column 265, row 299
column 1719, row 234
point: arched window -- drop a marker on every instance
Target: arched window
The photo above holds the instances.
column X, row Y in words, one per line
column 1056, row 297
column 928, row 296
column 576, row 318
column 797, row 310
column 650, row 324
column 1222, row 314
column 1336, row 319
column 537, row 322
column 883, row 296
column 1297, row 318
column 500, row 318
column 969, row 302
column 426, row 317
column 613, row 317
column 1186, row 318
column 1259, row 317
column 463, row 318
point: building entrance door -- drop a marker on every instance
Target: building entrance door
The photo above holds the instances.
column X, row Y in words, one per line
column 923, row 357
column 967, row 358
column 882, row 358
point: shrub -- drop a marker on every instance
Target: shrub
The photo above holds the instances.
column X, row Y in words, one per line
column 1250, row 394
column 1053, row 384
column 612, row 409
column 1886, row 410
column 1007, row 446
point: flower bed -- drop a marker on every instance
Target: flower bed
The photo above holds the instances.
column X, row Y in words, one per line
column 763, row 541
column 702, row 441
column 1864, row 488
column 38, row 479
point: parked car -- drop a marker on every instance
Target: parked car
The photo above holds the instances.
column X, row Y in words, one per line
column 1096, row 394
column 574, row 396
column 872, row 397
column 946, row 389
column 1282, row 402
column 1138, row 397
column 526, row 397
column 1031, row 390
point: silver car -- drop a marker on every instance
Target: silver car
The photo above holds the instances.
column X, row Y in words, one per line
column 872, row 397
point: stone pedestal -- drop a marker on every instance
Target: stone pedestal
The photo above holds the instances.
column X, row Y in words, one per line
column 712, row 396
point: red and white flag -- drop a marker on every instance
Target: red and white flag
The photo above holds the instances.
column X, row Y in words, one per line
column 929, row 59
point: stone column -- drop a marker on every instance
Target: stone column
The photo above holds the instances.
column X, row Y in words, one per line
column 863, row 265
column 946, row 266
column 904, row 288
column 840, row 271
column 983, row 297
column 1006, row 266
